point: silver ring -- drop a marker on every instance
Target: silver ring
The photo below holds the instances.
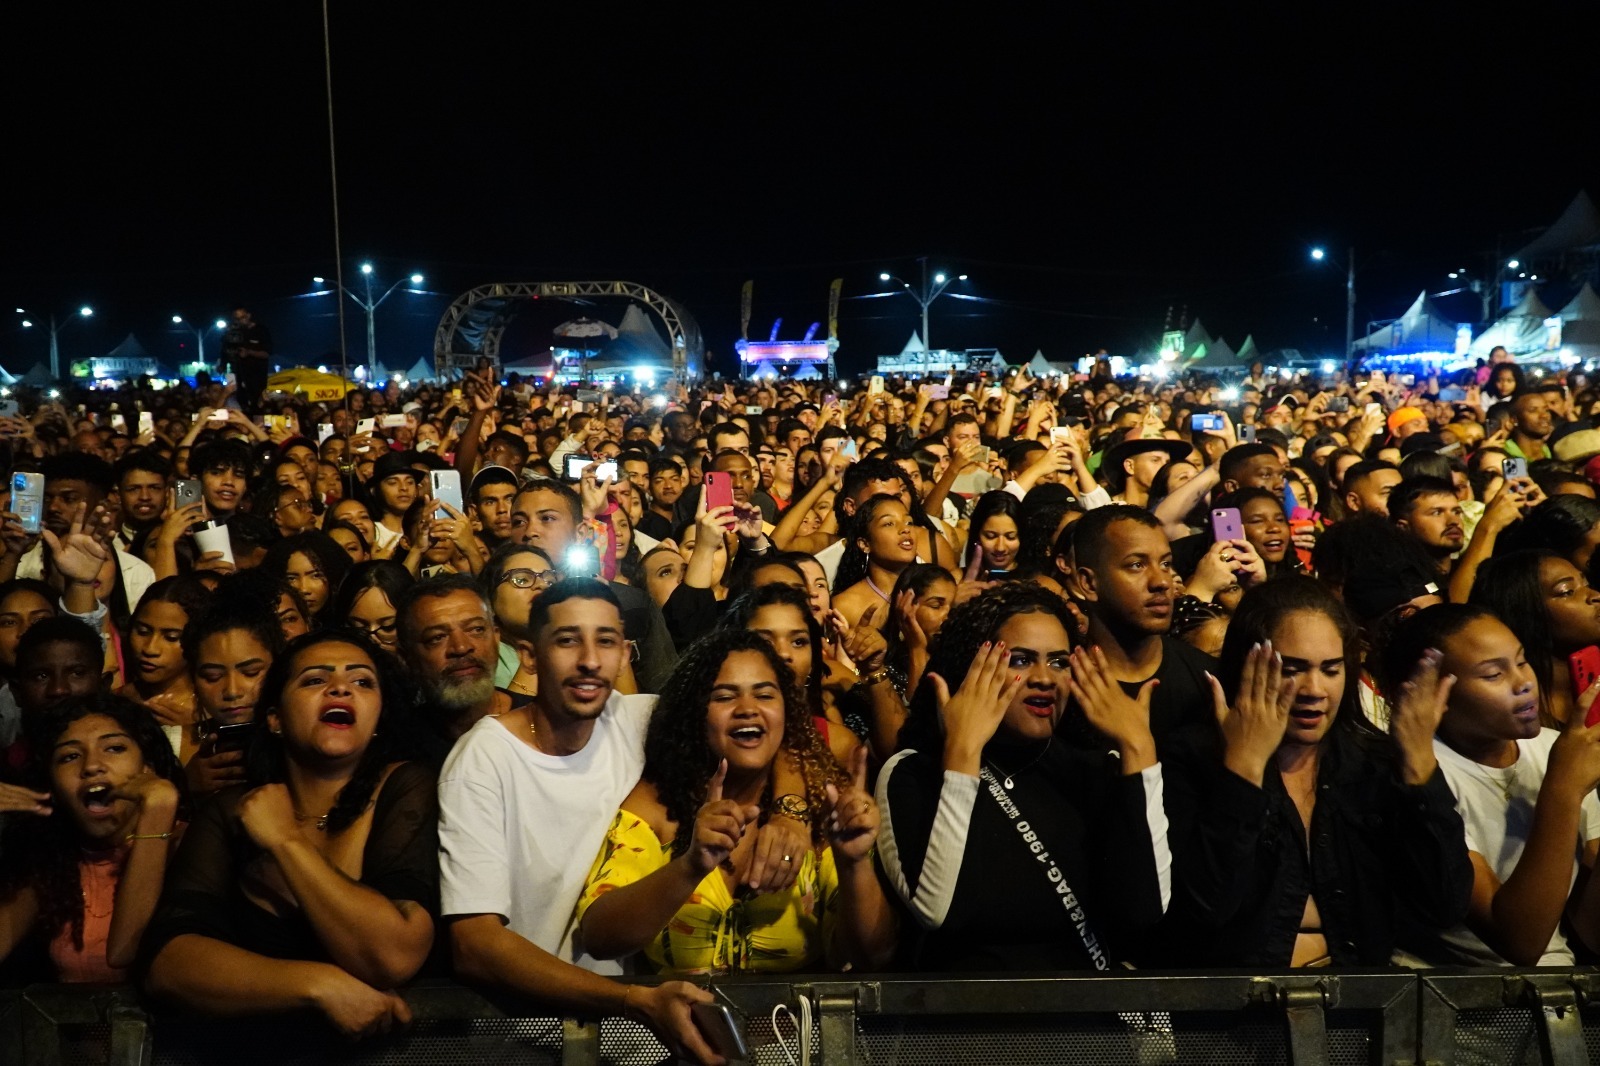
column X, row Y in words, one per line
column 788, row 859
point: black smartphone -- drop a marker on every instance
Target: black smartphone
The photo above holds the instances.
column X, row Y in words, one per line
column 721, row 1029
column 233, row 736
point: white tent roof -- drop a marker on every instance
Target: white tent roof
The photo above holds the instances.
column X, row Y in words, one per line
column 1580, row 324
column 1248, row 352
column 1039, row 366
column 914, row 346
column 1418, row 330
column 1578, row 227
column 1520, row 331
column 1583, row 307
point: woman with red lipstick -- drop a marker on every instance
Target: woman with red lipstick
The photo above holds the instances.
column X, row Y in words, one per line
column 670, row 879
column 1525, row 793
column 1311, row 839
column 84, row 877
column 1006, row 849
column 315, row 883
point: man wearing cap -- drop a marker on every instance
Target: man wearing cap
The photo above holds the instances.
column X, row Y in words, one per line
column 490, row 497
column 1404, row 421
column 393, row 487
column 1134, row 463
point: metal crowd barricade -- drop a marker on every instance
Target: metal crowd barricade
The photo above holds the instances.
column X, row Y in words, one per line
column 1526, row 1016
column 1139, row 1019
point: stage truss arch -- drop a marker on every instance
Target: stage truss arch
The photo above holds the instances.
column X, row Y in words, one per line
column 471, row 327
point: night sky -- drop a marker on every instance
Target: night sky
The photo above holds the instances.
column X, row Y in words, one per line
column 1088, row 173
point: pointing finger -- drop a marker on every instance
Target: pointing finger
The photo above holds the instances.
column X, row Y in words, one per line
column 714, row 791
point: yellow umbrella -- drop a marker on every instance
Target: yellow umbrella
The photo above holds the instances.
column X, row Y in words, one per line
column 315, row 385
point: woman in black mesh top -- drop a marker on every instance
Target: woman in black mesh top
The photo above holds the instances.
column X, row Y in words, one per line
column 316, row 883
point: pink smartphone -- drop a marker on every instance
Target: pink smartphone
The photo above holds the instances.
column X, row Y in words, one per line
column 718, row 489
column 1227, row 524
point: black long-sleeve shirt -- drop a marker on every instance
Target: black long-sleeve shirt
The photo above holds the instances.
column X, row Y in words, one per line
column 1381, row 858
column 979, row 896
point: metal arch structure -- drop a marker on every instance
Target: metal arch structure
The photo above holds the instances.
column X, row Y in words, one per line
column 472, row 325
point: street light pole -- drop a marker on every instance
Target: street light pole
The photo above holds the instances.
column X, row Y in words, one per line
column 1350, row 307
column 199, row 334
column 924, row 297
column 370, row 306
column 55, row 328
column 1319, row 255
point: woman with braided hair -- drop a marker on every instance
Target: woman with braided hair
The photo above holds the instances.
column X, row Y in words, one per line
column 1008, row 850
column 670, row 880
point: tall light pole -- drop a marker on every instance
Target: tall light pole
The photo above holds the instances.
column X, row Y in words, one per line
column 1319, row 255
column 925, row 295
column 55, row 329
column 199, row 334
column 367, row 303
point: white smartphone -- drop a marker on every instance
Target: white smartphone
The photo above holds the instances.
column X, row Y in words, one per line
column 446, row 486
column 366, row 425
column 27, row 500
column 393, row 421
column 219, row 415
column 324, row 431
column 147, row 422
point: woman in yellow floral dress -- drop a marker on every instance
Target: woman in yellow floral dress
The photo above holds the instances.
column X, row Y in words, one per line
column 672, row 880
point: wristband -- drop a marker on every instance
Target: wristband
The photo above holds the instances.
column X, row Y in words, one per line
column 148, row 836
column 878, row 676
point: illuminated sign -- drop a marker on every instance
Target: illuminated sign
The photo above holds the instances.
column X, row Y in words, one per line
column 783, row 351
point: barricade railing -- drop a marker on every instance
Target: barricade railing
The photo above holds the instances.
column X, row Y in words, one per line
column 1303, row 1018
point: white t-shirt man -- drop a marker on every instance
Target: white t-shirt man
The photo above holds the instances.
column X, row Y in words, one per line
column 1497, row 807
column 519, row 829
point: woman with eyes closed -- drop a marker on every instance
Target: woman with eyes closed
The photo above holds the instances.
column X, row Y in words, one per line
column 230, row 648
column 980, row 791
column 1310, row 839
column 1525, row 793
column 314, row 884
column 83, row 873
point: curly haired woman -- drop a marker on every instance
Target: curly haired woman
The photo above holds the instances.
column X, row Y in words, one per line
column 1008, row 850
column 670, row 879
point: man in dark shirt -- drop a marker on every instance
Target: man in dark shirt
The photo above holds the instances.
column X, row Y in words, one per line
column 247, row 348
column 1124, row 566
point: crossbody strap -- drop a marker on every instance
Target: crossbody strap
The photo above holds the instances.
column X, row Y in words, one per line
column 1029, row 838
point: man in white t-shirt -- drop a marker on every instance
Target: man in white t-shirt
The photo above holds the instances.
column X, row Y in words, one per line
column 524, row 802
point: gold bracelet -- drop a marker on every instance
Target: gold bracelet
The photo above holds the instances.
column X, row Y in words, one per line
column 149, row 836
column 877, row 676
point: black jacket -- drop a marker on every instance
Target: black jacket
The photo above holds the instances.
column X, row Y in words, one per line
column 1382, row 858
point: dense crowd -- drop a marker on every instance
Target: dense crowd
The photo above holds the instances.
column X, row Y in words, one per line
column 540, row 686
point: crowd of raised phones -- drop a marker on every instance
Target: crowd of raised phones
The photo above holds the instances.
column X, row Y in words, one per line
column 537, row 688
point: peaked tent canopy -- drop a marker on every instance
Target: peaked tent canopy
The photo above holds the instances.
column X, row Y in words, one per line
column 1217, row 355
column 635, row 327
column 1577, row 229
column 1521, row 330
column 421, row 370
column 39, row 376
column 130, row 348
column 914, row 346
column 1196, row 341
column 1248, row 352
column 1040, row 367
column 1580, row 324
column 1420, row 329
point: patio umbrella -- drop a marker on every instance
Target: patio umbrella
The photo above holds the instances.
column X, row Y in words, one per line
column 315, row 385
